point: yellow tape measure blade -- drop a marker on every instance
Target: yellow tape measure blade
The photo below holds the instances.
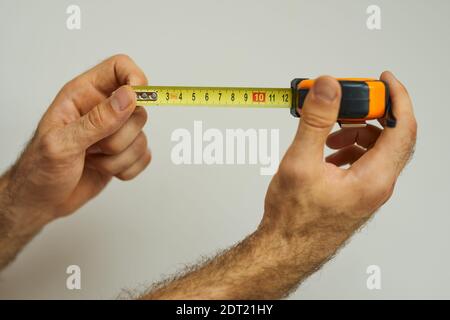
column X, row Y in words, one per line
column 213, row 96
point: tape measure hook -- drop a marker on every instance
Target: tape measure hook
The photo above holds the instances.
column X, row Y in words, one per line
column 147, row 96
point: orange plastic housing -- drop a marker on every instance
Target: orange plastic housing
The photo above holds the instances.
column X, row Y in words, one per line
column 362, row 98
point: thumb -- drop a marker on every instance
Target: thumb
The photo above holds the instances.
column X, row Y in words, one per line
column 104, row 119
column 318, row 116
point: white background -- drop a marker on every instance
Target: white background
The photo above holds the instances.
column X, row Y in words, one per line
column 137, row 232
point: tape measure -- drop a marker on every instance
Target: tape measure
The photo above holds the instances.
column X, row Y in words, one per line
column 362, row 98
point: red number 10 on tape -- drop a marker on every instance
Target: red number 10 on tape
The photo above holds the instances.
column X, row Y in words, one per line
column 259, row 96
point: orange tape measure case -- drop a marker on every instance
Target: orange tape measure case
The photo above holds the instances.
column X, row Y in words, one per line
column 362, row 99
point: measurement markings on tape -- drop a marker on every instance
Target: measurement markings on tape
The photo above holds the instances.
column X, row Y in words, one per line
column 213, row 96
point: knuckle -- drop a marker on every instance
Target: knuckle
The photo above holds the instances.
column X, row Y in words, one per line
column 67, row 87
column 285, row 169
column 105, row 167
column 140, row 144
column 120, row 58
column 144, row 79
column 317, row 120
column 95, row 118
column 51, row 146
column 412, row 128
column 290, row 172
column 141, row 116
column 114, row 145
column 140, row 77
column 380, row 187
column 98, row 119
column 135, row 170
column 124, row 176
column 147, row 159
column 105, row 164
column 72, row 84
column 386, row 194
column 136, row 75
column 141, row 141
column 390, row 191
column 111, row 146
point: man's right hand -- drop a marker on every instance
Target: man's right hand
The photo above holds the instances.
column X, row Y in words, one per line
column 317, row 200
column 312, row 206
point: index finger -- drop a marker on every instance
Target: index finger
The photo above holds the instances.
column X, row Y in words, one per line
column 114, row 72
column 394, row 147
column 99, row 82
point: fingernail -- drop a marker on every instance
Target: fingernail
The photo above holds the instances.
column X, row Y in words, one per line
column 120, row 99
column 325, row 89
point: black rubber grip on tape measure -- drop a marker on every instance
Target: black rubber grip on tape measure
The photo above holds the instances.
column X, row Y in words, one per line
column 354, row 102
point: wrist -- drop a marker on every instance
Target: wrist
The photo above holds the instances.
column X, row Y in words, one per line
column 305, row 241
column 17, row 218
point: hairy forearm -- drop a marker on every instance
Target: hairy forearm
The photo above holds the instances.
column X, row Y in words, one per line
column 265, row 265
column 17, row 227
